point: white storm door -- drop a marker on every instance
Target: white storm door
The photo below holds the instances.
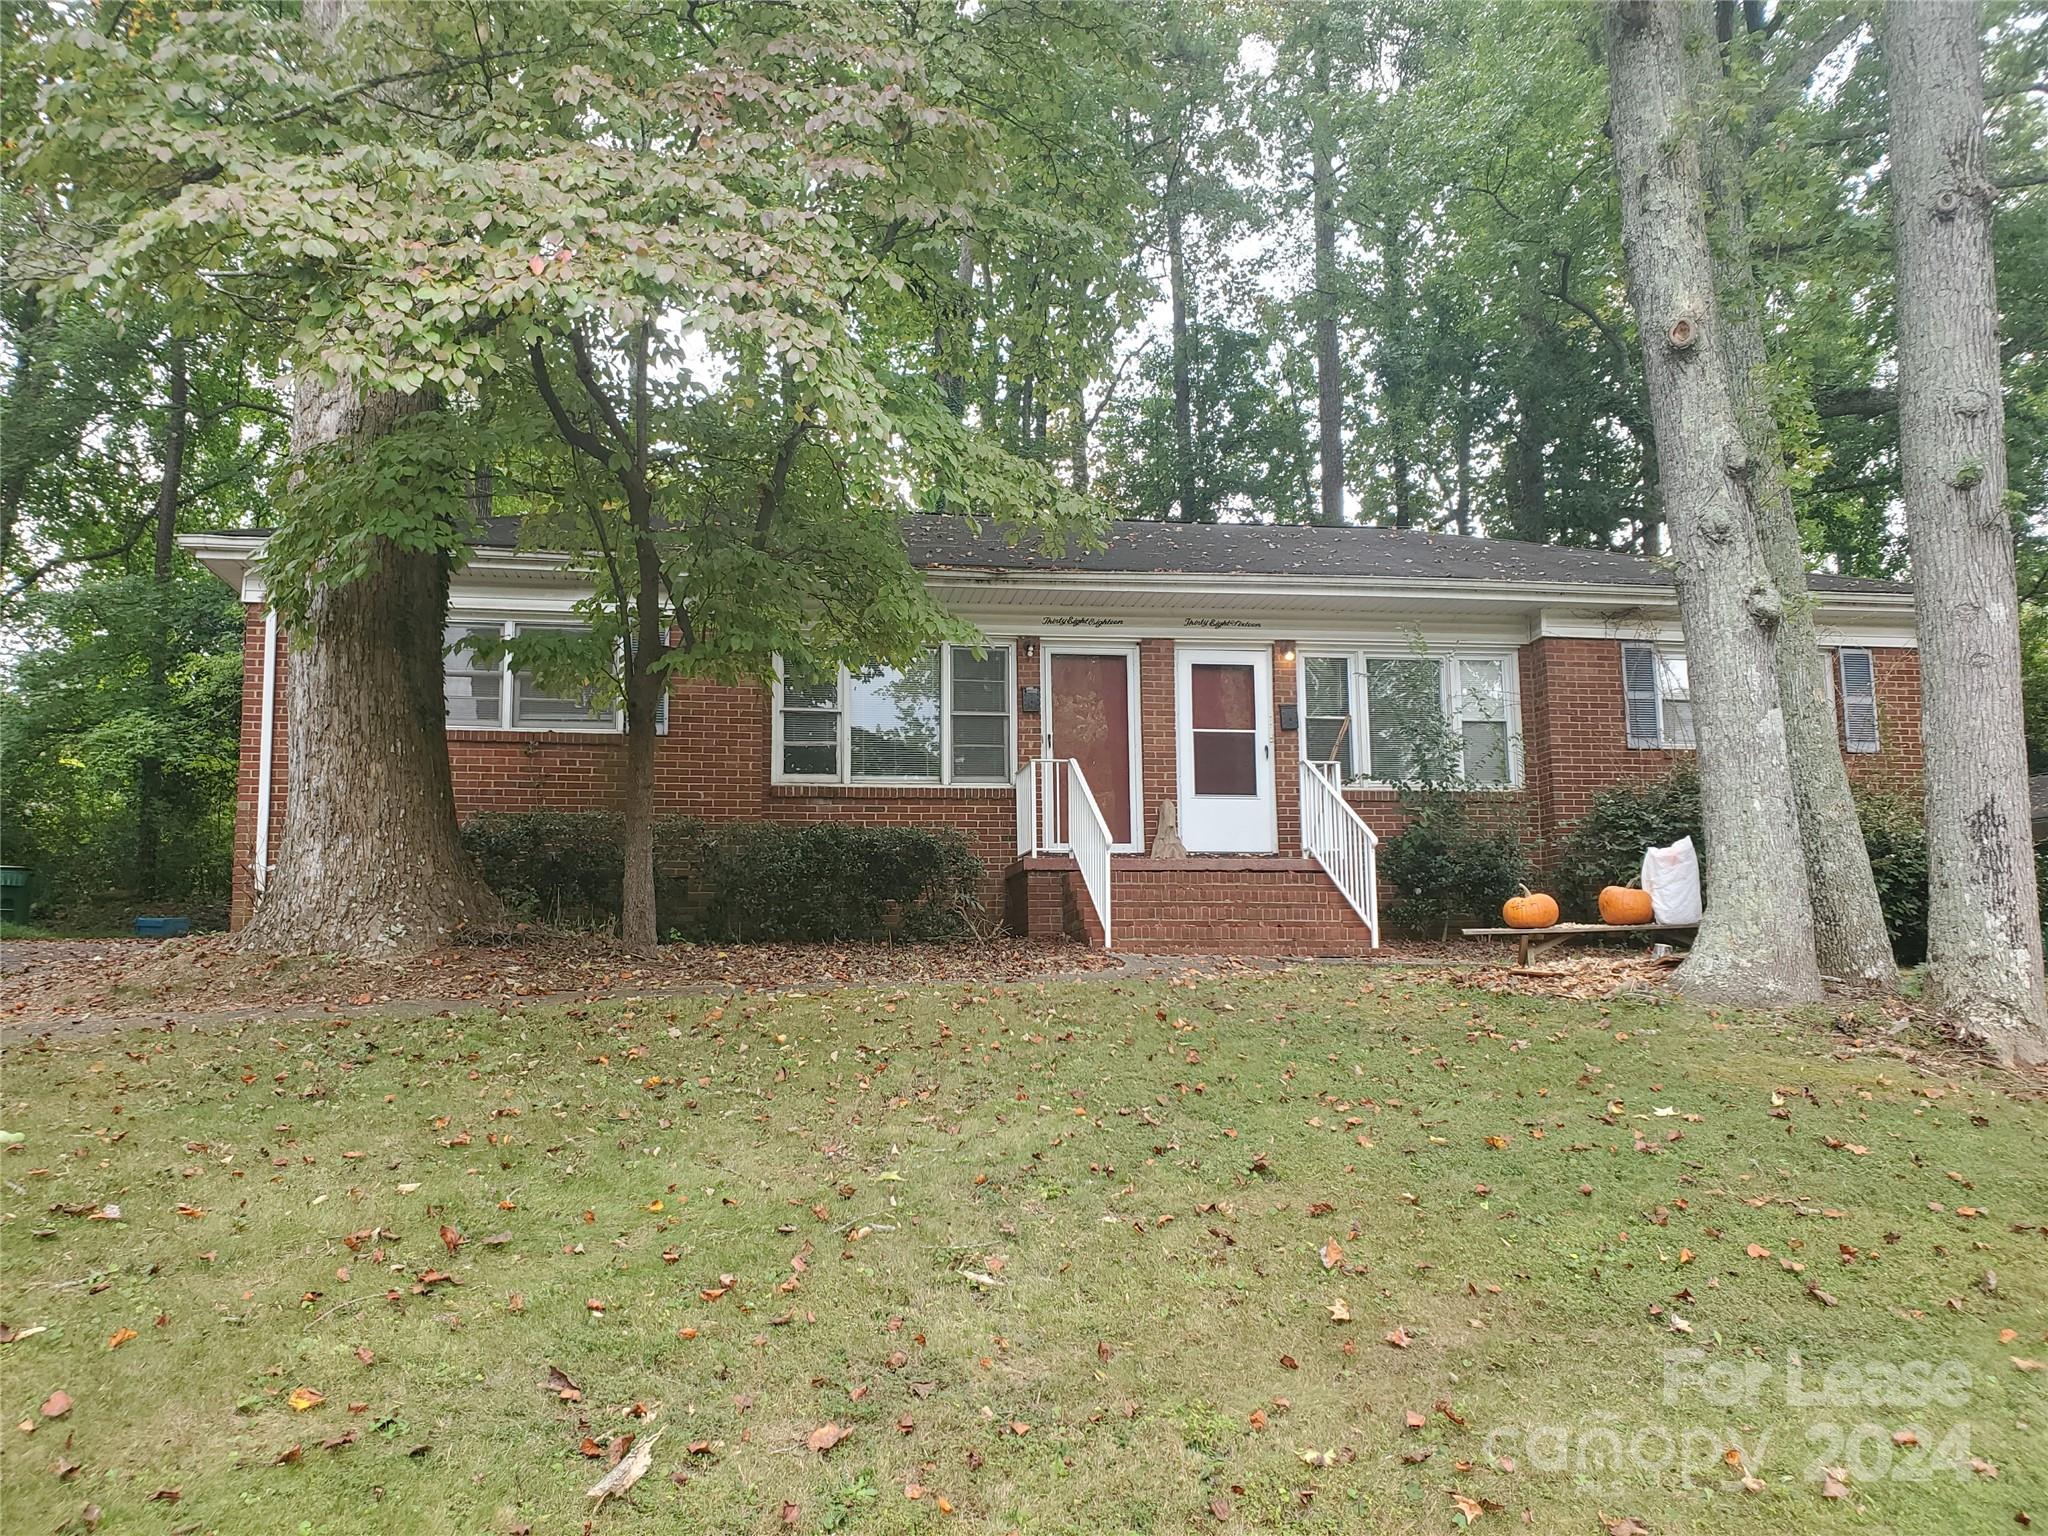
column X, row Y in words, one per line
column 1224, row 719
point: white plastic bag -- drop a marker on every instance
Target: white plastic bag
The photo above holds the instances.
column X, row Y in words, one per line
column 1672, row 877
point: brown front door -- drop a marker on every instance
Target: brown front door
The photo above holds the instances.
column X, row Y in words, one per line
column 1088, row 712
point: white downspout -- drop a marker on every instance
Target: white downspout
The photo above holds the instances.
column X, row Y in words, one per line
column 261, row 873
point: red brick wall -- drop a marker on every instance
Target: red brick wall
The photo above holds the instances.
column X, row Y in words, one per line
column 714, row 763
column 1158, row 767
column 1575, row 740
column 242, row 891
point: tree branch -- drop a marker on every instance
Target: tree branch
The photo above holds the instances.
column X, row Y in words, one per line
column 1868, row 402
column 778, row 482
column 1790, row 78
column 578, row 436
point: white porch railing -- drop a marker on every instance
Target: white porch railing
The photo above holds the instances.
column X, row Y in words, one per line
column 1335, row 837
column 1049, row 821
column 1088, row 834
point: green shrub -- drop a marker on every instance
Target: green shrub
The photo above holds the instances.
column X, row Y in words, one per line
column 563, row 867
column 832, row 880
column 1447, row 869
column 1897, row 840
column 1606, row 847
column 803, row 882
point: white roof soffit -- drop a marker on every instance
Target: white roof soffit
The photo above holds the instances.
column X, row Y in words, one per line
column 234, row 558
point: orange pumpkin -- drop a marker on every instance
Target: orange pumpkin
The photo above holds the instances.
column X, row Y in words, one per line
column 1529, row 910
column 1625, row 904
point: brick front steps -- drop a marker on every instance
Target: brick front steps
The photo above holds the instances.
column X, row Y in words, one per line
column 1238, row 905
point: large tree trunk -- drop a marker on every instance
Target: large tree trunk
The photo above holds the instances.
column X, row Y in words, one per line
column 1850, row 939
column 1755, row 945
column 370, row 861
column 149, row 772
column 1462, row 508
column 1983, row 934
column 1329, row 360
column 1183, row 349
column 644, row 679
column 1522, row 464
column 952, row 350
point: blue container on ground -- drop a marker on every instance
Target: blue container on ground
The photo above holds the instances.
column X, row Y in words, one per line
column 162, row 927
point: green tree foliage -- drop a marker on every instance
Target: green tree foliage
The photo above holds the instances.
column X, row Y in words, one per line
column 80, row 713
column 990, row 258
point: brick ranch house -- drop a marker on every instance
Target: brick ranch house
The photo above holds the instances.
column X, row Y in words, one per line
column 1245, row 684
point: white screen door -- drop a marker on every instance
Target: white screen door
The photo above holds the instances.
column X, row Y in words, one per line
column 1224, row 714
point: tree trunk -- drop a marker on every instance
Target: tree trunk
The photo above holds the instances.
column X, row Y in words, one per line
column 149, row 771
column 1522, row 464
column 1183, row 362
column 1850, row 939
column 370, row 861
column 1755, row 944
column 1079, row 444
column 1329, row 361
column 1463, row 508
column 644, row 679
column 1983, row 933
column 1394, row 369
column 951, row 350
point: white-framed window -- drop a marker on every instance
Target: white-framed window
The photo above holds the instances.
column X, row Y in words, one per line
column 944, row 719
column 1479, row 705
column 1326, row 734
column 493, row 696
column 1365, row 710
column 1656, row 696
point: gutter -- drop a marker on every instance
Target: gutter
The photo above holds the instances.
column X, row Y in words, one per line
column 260, row 875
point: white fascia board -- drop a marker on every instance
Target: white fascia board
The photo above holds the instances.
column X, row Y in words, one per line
column 1041, row 586
column 1877, row 621
column 488, row 577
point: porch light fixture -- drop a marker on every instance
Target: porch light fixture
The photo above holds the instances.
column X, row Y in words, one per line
column 1287, row 654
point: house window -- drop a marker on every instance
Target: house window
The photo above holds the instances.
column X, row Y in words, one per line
column 810, row 727
column 1657, row 696
column 1403, row 705
column 1480, row 707
column 893, row 721
column 943, row 719
column 475, row 690
column 1859, row 700
column 1326, row 713
column 490, row 695
column 535, row 709
column 980, row 717
column 1376, row 716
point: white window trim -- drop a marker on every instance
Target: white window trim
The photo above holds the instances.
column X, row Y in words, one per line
column 508, row 684
column 844, row 750
column 1448, row 691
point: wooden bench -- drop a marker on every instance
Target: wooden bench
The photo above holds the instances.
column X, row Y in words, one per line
column 1534, row 942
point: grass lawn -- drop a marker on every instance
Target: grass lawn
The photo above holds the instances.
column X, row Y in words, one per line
column 1058, row 1258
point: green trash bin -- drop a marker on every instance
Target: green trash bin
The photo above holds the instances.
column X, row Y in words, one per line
column 13, row 894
